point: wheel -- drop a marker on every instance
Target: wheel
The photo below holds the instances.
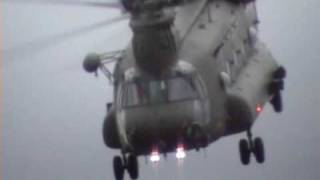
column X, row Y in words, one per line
column 259, row 150
column 132, row 167
column 244, row 151
column 280, row 73
column 118, row 168
column 280, row 84
column 276, row 102
column 276, row 86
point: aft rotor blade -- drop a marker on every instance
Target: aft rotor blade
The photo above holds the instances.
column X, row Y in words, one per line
column 116, row 5
column 43, row 43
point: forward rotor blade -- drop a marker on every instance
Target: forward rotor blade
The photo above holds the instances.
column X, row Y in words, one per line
column 43, row 43
column 116, row 5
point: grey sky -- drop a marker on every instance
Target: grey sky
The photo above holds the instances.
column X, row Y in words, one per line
column 53, row 110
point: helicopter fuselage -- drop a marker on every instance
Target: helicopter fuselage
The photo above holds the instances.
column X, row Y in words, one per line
column 216, row 85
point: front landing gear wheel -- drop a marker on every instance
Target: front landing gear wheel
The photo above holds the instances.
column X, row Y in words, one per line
column 133, row 166
column 259, row 150
column 118, row 168
column 244, row 151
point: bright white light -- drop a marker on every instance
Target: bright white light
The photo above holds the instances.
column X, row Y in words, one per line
column 181, row 154
column 155, row 157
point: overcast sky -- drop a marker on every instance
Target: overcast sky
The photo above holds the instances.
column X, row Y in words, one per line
column 53, row 110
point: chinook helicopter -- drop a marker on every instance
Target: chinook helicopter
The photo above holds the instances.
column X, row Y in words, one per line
column 194, row 71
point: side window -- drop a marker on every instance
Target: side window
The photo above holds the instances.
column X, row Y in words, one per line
column 181, row 88
column 158, row 91
column 132, row 94
column 121, row 96
column 129, row 95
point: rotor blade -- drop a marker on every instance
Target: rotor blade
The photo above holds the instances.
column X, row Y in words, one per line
column 43, row 43
column 116, row 5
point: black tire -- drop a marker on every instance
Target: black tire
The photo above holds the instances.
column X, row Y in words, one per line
column 276, row 102
column 118, row 168
column 244, row 152
column 280, row 73
column 133, row 168
column 276, row 86
column 280, row 85
column 259, row 150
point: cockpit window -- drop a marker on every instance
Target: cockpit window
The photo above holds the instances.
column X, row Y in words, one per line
column 181, row 88
column 139, row 92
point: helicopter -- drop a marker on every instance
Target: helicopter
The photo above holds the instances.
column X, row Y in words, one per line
column 194, row 71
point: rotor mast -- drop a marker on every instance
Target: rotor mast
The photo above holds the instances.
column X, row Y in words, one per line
column 153, row 41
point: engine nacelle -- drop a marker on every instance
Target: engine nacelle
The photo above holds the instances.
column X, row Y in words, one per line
column 92, row 62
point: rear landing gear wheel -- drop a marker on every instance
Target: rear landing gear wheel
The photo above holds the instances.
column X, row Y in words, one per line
column 132, row 166
column 276, row 102
column 259, row 150
column 118, row 168
column 246, row 147
column 275, row 88
column 244, row 151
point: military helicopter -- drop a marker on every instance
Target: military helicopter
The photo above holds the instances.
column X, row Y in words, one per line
column 195, row 71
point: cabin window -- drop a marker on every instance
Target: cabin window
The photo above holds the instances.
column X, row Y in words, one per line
column 181, row 88
column 141, row 92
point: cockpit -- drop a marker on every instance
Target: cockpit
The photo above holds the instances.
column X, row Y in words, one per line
column 181, row 85
column 154, row 111
column 140, row 92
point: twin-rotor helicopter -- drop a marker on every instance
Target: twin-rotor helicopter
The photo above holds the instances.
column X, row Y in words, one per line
column 193, row 72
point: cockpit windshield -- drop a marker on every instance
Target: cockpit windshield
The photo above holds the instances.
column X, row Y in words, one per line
column 140, row 92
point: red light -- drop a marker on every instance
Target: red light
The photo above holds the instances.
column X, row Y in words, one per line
column 259, row 108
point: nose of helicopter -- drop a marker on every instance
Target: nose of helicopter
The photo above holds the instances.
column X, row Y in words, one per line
column 162, row 125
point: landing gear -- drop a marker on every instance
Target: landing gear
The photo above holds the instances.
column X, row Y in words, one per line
column 120, row 164
column 132, row 167
column 256, row 147
column 118, row 168
column 259, row 150
column 275, row 88
column 276, row 102
column 244, row 151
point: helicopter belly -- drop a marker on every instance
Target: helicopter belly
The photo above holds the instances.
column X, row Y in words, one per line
column 249, row 93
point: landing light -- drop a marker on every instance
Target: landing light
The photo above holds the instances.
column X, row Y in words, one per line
column 155, row 157
column 180, row 154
